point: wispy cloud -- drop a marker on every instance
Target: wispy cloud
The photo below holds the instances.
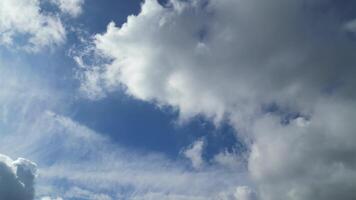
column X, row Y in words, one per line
column 71, row 7
column 85, row 164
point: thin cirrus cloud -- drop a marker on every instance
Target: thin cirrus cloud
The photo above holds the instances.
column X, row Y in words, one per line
column 281, row 72
column 93, row 168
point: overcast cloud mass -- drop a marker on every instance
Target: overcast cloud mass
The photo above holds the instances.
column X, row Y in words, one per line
column 280, row 74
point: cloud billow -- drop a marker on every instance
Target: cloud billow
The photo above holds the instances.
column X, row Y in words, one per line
column 227, row 60
column 17, row 179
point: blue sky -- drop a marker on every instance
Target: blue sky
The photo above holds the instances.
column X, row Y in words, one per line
column 177, row 100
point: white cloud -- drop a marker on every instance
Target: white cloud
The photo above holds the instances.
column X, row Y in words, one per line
column 154, row 196
column 231, row 60
column 231, row 160
column 23, row 25
column 244, row 193
column 50, row 198
column 195, row 154
column 23, row 96
column 89, row 164
column 308, row 162
column 16, row 178
column 76, row 162
column 71, row 7
column 76, row 192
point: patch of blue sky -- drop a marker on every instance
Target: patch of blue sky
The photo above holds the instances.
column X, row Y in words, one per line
column 144, row 126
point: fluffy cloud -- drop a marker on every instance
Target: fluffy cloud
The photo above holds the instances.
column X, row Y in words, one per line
column 24, row 25
column 166, row 54
column 281, row 72
column 16, row 178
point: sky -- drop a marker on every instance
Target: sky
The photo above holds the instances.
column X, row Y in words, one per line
column 177, row 100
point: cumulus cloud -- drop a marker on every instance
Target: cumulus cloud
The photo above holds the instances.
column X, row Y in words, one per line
column 184, row 43
column 24, row 25
column 16, row 178
column 281, row 72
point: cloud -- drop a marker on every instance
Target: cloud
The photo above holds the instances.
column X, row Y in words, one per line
column 307, row 162
column 24, row 25
column 16, row 178
column 76, row 162
column 244, row 193
column 231, row 160
column 71, row 7
column 49, row 198
column 195, row 154
column 250, row 67
column 93, row 168
column 24, row 95
column 153, row 196
column 280, row 72
column 76, row 192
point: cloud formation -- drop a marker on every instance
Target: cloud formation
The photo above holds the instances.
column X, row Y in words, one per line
column 71, row 7
column 94, row 168
column 281, row 72
column 76, row 162
column 17, row 178
column 24, row 25
column 194, row 154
